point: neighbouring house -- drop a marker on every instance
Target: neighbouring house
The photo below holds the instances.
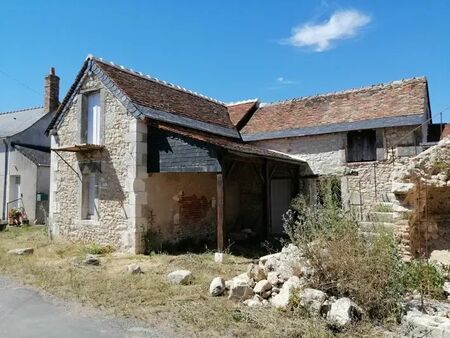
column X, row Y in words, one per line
column 25, row 156
column 359, row 135
column 135, row 159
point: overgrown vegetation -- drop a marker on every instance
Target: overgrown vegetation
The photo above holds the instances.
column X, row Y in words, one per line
column 382, row 208
column 424, row 278
column 188, row 310
column 367, row 269
column 98, row 249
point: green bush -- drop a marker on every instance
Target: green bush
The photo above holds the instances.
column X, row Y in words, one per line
column 367, row 269
column 424, row 278
column 98, row 249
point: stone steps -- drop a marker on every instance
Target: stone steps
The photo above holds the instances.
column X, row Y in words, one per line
column 370, row 226
column 386, row 217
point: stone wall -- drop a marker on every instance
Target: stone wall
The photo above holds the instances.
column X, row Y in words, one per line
column 366, row 183
column 422, row 188
column 120, row 177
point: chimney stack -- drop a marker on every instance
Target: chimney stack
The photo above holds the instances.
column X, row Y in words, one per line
column 51, row 96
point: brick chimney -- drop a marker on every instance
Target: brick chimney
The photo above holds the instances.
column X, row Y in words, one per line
column 51, row 95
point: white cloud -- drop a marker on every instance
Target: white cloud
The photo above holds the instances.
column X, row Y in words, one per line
column 283, row 81
column 341, row 25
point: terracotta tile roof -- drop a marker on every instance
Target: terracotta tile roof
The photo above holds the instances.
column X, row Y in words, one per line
column 226, row 143
column 239, row 110
column 392, row 100
column 153, row 93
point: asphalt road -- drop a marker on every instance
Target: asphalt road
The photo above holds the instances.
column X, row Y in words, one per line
column 26, row 312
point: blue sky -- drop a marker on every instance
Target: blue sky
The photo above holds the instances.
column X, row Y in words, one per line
column 230, row 50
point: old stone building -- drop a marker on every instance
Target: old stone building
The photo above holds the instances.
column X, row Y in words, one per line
column 134, row 157
column 354, row 134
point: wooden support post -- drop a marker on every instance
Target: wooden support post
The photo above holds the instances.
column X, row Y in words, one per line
column 220, row 213
column 267, row 202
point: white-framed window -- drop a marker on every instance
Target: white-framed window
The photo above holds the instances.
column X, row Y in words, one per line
column 91, row 125
column 89, row 196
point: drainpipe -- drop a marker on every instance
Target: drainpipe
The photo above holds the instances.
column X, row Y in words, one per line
column 5, row 178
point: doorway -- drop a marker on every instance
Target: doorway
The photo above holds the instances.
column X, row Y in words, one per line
column 280, row 198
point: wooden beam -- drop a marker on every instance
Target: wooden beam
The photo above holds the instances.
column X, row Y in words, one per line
column 220, row 213
column 267, row 197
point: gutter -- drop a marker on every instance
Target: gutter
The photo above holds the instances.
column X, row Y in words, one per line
column 5, row 178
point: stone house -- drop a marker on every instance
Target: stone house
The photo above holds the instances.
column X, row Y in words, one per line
column 359, row 135
column 25, row 156
column 134, row 157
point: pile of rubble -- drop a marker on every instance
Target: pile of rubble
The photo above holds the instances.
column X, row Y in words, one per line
column 279, row 277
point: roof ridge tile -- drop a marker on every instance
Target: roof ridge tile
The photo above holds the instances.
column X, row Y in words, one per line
column 347, row 91
column 154, row 79
column 21, row 110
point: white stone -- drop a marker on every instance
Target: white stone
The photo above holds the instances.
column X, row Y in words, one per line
column 21, row 251
column 217, row 287
column 219, row 257
column 417, row 324
column 265, row 258
column 262, row 286
column 254, row 302
column 440, row 257
column 446, row 288
column 281, row 300
column 134, row 269
column 313, row 300
column 183, row 277
column 273, row 279
column 344, row 312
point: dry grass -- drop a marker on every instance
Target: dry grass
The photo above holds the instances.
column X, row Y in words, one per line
column 148, row 297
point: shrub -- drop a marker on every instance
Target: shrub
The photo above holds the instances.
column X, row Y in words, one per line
column 97, row 249
column 424, row 278
column 348, row 263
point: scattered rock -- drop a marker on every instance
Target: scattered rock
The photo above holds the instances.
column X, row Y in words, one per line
column 91, row 260
column 254, row 302
column 21, row 251
column 217, row 287
column 281, row 300
column 446, row 288
column 266, row 294
column 219, row 257
column 263, row 260
column 134, row 269
column 417, row 324
column 182, row 277
column 440, row 258
column 262, row 286
column 256, row 272
column 313, row 300
column 240, row 290
column 273, row 279
column 344, row 312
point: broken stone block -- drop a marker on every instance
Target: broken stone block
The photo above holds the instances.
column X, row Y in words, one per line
column 262, row 286
column 217, row 287
column 313, row 300
column 219, row 257
column 344, row 312
column 21, row 251
column 91, row 260
column 256, row 272
column 182, row 277
column 240, row 290
column 134, row 269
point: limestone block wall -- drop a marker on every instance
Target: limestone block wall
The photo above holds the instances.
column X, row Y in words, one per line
column 120, row 177
column 181, row 205
column 364, row 182
column 325, row 154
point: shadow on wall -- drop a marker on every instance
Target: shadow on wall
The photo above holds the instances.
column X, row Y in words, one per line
column 101, row 163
